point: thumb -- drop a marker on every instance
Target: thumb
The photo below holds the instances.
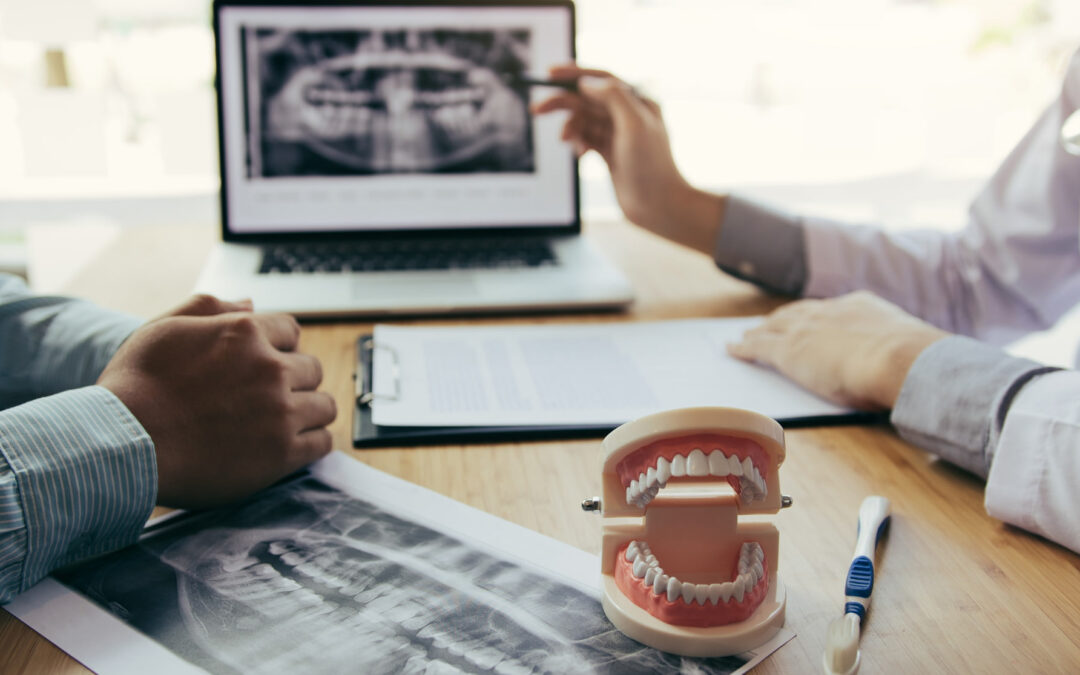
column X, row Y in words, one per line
column 739, row 350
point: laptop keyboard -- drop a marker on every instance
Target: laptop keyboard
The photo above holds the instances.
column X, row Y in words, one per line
column 392, row 255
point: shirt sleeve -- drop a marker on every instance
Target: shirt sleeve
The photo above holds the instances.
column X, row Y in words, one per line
column 51, row 344
column 1036, row 468
column 78, row 477
column 1007, row 419
column 762, row 245
column 955, row 398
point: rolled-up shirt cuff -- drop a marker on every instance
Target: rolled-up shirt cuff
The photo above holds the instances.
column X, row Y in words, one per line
column 761, row 245
column 85, row 476
column 955, row 397
column 1032, row 482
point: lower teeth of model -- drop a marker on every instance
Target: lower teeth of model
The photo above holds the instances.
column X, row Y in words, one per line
column 750, row 570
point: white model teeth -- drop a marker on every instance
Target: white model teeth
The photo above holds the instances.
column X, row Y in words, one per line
column 750, row 571
column 678, row 465
column 661, row 583
column 696, row 463
column 674, row 589
column 663, row 470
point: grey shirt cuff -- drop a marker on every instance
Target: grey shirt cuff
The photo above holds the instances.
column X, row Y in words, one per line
column 954, row 399
column 762, row 245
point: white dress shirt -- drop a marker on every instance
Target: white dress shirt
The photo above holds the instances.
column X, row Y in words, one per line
column 1013, row 269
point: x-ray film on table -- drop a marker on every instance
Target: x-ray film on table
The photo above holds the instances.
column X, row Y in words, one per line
column 310, row 577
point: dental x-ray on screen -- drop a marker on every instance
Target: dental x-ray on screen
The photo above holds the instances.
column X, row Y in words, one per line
column 436, row 99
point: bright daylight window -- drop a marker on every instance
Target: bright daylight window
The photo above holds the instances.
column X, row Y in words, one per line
column 883, row 110
column 877, row 110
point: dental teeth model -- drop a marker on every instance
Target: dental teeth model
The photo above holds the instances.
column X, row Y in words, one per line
column 681, row 572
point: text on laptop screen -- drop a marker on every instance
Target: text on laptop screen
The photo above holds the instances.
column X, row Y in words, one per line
column 352, row 118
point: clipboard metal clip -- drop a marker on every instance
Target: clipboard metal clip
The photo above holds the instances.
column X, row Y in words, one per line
column 364, row 375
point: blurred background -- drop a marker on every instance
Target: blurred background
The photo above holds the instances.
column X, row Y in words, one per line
column 888, row 111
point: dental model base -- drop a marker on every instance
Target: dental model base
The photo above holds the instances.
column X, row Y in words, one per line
column 681, row 572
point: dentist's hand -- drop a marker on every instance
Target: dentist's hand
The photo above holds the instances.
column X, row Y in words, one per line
column 856, row 349
column 229, row 403
column 627, row 130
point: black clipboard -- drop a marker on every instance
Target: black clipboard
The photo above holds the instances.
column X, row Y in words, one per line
column 367, row 434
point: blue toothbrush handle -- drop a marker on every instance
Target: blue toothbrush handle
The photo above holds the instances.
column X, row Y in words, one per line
column 873, row 519
column 859, row 585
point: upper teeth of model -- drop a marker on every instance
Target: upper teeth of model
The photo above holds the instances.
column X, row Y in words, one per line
column 645, row 566
column 644, row 488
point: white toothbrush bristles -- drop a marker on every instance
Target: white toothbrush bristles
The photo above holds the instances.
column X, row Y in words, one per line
column 842, row 646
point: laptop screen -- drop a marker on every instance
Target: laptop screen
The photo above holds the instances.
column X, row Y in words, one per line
column 356, row 118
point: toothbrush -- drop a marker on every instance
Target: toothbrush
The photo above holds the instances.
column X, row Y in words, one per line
column 842, row 641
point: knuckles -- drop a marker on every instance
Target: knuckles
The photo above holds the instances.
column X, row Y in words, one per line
column 203, row 303
column 331, row 407
column 244, row 326
column 272, row 371
column 294, row 326
column 324, row 442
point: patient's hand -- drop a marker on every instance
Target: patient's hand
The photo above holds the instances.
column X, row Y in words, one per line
column 855, row 349
column 628, row 131
column 229, row 403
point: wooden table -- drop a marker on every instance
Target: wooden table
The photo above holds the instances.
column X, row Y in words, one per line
column 957, row 590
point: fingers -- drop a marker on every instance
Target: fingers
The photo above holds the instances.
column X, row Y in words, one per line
column 561, row 101
column 598, row 84
column 782, row 318
column 311, row 445
column 571, row 71
column 757, row 345
column 245, row 305
column 313, row 409
column 576, row 104
column 620, row 101
column 282, row 330
column 764, row 342
column 208, row 305
column 652, row 105
column 303, row 372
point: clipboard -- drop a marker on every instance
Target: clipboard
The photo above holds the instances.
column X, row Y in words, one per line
column 367, row 434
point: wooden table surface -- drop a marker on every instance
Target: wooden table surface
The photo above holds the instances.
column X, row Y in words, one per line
column 957, row 591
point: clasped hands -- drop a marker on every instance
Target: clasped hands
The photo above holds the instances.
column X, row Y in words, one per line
column 855, row 349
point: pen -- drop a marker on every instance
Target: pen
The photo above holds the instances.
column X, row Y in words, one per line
column 525, row 81
column 567, row 85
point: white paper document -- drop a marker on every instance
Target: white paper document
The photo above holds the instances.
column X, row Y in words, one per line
column 575, row 374
column 346, row 570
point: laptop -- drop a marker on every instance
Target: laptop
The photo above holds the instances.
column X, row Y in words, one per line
column 379, row 158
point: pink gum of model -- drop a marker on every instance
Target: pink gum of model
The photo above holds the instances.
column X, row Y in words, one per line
column 681, row 572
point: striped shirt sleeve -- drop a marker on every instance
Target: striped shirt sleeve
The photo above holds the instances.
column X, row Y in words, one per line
column 49, row 344
column 78, row 477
